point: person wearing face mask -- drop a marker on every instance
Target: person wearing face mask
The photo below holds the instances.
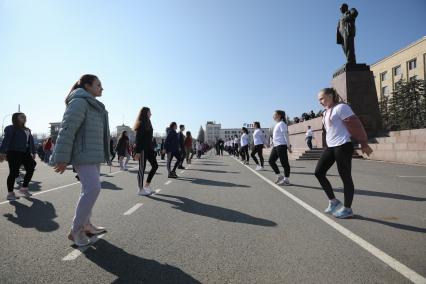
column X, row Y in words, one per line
column 18, row 149
column 281, row 142
column 340, row 124
column 83, row 141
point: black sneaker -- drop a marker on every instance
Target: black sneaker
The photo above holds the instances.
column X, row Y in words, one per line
column 181, row 168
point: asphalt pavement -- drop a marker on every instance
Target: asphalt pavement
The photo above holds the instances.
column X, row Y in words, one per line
column 220, row 222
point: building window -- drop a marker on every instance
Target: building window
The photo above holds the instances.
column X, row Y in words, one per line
column 385, row 91
column 412, row 78
column 397, row 84
column 397, row 70
column 412, row 64
column 384, row 76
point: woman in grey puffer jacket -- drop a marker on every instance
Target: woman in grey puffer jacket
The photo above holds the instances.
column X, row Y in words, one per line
column 83, row 141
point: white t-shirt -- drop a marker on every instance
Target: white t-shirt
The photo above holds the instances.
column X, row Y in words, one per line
column 258, row 137
column 244, row 140
column 309, row 133
column 279, row 135
column 337, row 133
column 236, row 141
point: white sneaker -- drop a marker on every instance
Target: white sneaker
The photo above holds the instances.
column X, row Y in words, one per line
column 286, row 182
column 148, row 189
column 80, row 238
column 258, row 168
column 280, row 180
column 24, row 191
column 144, row 192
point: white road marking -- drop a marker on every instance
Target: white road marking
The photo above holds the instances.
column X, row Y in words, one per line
column 412, row 176
column 133, row 209
column 59, row 187
column 78, row 251
column 157, row 190
column 387, row 259
column 168, row 182
column 181, row 172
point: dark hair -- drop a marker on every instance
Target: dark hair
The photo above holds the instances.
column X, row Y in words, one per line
column 143, row 119
column 123, row 135
column 257, row 124
column 181, row 126
column 188, row 134
column 281, row 113
column 15, row 121
column 333, row 93
column 81, row 83
column 244, row 130
column 172, row 125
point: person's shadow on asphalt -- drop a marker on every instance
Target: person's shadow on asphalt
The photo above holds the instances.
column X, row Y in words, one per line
column 39, row 215
column 209, row 182
column 212, row 211
column 134, row 269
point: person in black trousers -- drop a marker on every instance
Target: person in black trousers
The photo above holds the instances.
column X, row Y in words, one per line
column 111, row 149
column 182, row 150
column 18, row 149
column 144, row 150
column 171, row 147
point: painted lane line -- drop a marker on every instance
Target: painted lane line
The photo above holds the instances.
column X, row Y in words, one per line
column 168, row 182
column 157, row 190
column 133, row 209
column 78, row 251
column 387, row 259
column 59, row 187
column 411, row 176
column 48, row 190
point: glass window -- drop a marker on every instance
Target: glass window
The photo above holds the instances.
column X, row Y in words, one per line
column 397, row 70
column 385, row 91
column 384, row 76
column 412, row 64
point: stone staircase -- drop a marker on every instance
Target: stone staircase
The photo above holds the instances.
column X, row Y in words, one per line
column 300, row 154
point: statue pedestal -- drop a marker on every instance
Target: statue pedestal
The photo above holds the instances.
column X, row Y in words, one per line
column 355, row 84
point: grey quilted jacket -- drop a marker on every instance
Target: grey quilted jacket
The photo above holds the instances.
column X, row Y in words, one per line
column 84, row 134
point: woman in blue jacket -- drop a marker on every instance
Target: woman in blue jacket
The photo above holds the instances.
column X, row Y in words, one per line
column 18, row 149
column 172, row 149
column 83, row 141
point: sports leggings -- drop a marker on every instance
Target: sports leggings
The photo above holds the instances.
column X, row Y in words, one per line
column 244, row 153
column 258, row 149
column 280, row 152
column 342, row 155
column 152, row 159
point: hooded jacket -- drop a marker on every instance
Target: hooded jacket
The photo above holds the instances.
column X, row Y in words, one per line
column 84, row 134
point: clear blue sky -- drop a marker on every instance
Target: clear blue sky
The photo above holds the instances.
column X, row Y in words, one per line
column 232, row 61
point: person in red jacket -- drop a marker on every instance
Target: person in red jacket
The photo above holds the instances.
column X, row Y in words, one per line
column 340, row 124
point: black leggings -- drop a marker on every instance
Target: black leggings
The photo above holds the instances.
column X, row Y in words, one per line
column 150, row 156
column 342, row 155
column 258, row 149
column 170, row 156
column 280, row 152
column 15, row 160
column 244, row 153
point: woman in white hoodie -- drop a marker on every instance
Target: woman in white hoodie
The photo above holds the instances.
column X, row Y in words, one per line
column 244, row 146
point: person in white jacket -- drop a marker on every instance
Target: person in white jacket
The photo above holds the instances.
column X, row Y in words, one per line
column 244, row 146
column 258, row 141
column 280, row 139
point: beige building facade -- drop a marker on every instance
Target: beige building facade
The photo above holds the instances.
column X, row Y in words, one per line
column 405, row 64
